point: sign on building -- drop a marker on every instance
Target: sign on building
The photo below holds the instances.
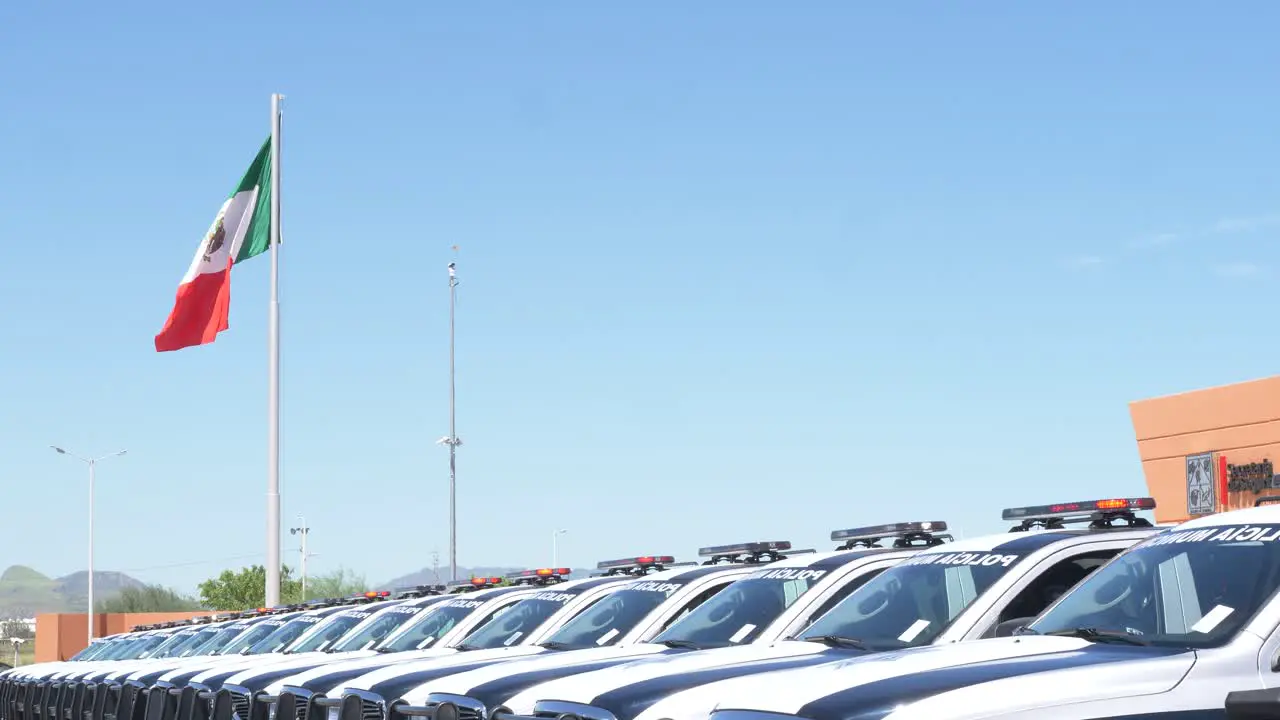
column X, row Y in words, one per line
column 1201, row 488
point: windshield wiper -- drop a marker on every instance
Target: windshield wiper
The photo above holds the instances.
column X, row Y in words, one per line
column 466, row 648
column 838, row 641
column 555, row 645
column 685, row 644
column 1101, row 636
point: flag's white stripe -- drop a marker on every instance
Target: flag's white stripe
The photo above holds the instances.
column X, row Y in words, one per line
column 235, row 213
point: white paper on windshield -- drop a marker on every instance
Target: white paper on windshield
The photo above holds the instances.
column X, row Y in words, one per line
column 607, row 636
column 425, row 642
column 742, row 632
column 514, row 637
column 369, row 644
column 1212, row 618
column 916, row 628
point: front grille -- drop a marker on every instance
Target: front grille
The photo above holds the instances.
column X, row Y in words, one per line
column 370, row 710
column 240, row 704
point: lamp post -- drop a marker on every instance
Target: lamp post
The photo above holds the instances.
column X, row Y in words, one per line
column 92, row 463
column 303, row 530
column 555, row 536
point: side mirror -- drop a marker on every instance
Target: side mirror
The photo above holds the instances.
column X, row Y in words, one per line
column 1253, row 704
column 1009, row 628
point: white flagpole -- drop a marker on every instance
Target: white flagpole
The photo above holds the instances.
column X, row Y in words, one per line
column 273, row 362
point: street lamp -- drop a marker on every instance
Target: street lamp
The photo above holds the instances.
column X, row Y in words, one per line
column 303, row 530
column 555, row 535
column 92, row 463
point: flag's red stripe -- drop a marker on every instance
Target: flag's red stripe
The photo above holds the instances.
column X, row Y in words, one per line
column 199, row 313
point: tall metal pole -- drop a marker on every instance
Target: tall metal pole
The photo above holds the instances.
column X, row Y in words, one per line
column 273, row 381
column 555, row 536
column 93, row 463
column 304, row 531
column 453, row 434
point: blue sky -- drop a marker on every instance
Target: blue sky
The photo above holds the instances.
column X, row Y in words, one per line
column 729, row 271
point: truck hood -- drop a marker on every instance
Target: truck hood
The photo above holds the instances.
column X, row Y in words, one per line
column 186, row 671
column 873, row 686
column 220, row 673
column 662, row 674
column 534, row 670
column 295, row 663
column 159, row 669
column 392, row 682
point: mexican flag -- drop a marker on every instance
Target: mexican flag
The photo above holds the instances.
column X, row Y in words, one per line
column 241, row 229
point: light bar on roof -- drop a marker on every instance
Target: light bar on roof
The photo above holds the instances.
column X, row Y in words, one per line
column 539, row 572
column 878, row 532
column 754, row 547
column 1082, row 508
column 630, row 562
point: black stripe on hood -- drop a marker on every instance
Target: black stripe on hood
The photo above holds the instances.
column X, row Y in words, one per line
column 497, row 692
column 875, row 700
column 397, row 686
column 628, row 701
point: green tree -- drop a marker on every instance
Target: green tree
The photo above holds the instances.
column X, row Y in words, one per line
column 246, row 588
column 148, row 598
column 337, row 583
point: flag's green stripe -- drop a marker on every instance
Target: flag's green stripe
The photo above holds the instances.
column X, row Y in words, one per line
column 258, row 237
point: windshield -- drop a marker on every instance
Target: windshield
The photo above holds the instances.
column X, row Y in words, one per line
column 164, row 648
column 110, row 648
column 250, row 637
column 192, row 643
column 740, row 612
column 609, row 619
column 912, row 602
column 514, row 623
column 374, row 630
column 176, row 643
column 285, row 634
column 428, row 627
column 324, row 635
column 95, row 648
column 220, row 637
column 1193, row 588
column 140, row 648
column 124, row 648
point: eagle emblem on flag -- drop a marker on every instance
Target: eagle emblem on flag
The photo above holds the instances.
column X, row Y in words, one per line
column 213, row 243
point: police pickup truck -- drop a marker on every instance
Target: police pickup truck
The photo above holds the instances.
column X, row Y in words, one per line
column 23, row 682
column 41, row 687
column 979, row 587
column 381, row 623
column 752, row 609
column 632, row 612
column 538, row 597
column 371, row 625
column 645, row 604
column 115, row 695
column 1168, row 629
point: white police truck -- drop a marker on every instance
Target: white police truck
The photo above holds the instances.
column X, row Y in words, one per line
column 542, row 596
column 752, row 609
column 970, row 589
column 1165, row 630
column 654, row 598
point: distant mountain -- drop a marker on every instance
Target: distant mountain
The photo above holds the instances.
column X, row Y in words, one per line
column 25, row 592
column 427, row 576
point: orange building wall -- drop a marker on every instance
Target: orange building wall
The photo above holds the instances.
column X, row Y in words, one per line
column 1233, row 424
column 59, row 636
